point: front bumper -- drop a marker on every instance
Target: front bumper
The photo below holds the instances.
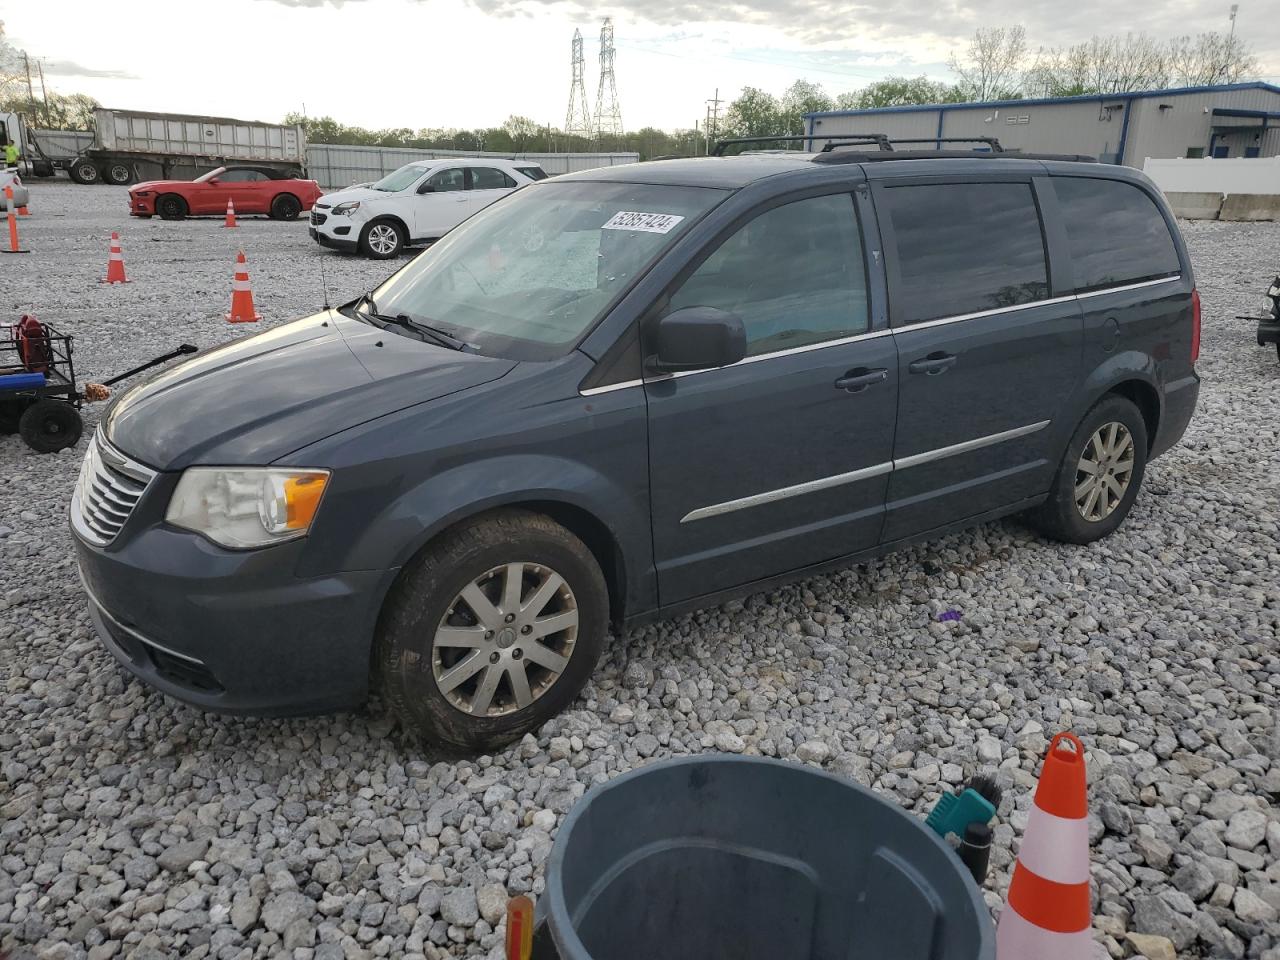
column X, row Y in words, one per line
column 1268, row 331
column 229, row 631
column 141, row 206
column 20, row 198
column 345, row 244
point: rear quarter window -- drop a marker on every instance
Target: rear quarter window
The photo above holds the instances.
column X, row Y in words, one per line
column 533, row 173
column 1116, row 233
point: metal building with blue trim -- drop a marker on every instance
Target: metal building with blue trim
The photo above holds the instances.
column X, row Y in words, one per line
column 1226, row 120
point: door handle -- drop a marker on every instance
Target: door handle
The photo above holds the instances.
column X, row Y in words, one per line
column 855, row 381
column 933, row 364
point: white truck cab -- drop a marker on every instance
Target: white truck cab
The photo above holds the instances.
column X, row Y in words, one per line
column 419, row 203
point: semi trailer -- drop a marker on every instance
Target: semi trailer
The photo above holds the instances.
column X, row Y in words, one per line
column 126, row 146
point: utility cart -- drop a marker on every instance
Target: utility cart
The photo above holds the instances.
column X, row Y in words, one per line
column 39, row 398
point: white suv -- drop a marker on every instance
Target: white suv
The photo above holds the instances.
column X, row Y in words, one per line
column 419, row 203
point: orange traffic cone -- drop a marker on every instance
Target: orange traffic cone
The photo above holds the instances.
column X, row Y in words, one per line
column 1047, row 914
column 115, row 263
column 14, row 246
column 231, row 214
column 23, row 211
column 242, row 310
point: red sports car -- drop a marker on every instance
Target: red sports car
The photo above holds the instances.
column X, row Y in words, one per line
column 280, row 195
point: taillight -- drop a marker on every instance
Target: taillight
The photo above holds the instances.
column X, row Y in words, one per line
column 1195, row 325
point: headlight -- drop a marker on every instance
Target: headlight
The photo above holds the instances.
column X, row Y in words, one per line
column 346, row 209
column 142, row 193
column 241, row 509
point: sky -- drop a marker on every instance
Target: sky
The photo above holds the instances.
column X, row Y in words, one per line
column 472, row 63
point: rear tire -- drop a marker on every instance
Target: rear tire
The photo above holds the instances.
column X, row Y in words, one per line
column 118, row 173
column 84, row 171
column 1099, row 477
column 285, row 207
column 382, row 240
column 523, row 571
column 171, row 207
column 50, row 425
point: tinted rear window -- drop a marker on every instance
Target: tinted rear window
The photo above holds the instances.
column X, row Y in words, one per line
column 964, row 248
column 1116, row 232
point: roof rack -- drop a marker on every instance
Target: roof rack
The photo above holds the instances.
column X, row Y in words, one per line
column 880, row 139
column 862, row 156
column 992, row 142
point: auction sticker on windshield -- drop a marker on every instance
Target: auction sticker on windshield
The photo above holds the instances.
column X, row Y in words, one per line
column 643, row 222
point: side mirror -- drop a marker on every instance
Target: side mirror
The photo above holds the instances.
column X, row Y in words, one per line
column 698, row 338
column 426, row 188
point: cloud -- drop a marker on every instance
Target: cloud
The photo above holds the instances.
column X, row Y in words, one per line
column 69, row 68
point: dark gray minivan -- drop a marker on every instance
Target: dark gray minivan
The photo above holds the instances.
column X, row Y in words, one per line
column 626, row 393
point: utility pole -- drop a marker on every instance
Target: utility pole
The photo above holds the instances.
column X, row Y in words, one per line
column 1231, row 43
column 44, row 91
column 713, row 118
column 31, row 97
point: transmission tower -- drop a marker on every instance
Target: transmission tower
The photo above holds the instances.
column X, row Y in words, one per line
column 577, row 122
column 608, row 111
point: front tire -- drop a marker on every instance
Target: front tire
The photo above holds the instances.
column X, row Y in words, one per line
column 50, row 425
column 171, row 207
column 1100, row 474
column 285, row 207
column 493, row 630
column 382, row 240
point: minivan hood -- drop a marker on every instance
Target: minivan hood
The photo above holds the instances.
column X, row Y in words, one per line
column 257, row 399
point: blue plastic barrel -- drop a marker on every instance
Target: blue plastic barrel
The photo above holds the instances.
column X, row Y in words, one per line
column 746, row 858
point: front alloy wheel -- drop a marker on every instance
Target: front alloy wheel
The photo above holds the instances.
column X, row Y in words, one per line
column 492, row 630
column 505, row 639
column 382, row 240
column 1104, row 472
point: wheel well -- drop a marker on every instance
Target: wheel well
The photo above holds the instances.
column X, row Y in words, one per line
column 583, row 525
column 285, row 193
column 388, row 218
column 1145, row 398
column 177, row 196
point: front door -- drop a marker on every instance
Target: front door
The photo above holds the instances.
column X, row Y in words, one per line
column 781, row 460
column 440, row 203
column 988, row 352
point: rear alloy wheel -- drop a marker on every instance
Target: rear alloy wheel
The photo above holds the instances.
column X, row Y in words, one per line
column 171, row 207
column 492, row 631
column 50, row 425
column 285, row 207
column 1100, row 474
column 118, row 173
column 84, row 171
column 381, row 240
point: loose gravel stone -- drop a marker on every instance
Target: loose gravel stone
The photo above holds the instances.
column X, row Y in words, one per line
column 327, row 838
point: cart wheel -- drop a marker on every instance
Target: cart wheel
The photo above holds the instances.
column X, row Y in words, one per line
column 50, row 425
column 11, row 412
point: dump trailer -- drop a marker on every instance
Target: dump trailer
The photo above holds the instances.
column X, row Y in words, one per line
column 132, row 145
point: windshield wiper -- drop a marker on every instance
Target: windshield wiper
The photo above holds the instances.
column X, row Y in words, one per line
column 415, row 326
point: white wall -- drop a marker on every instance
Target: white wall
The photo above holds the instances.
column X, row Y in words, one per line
column 1230, row 175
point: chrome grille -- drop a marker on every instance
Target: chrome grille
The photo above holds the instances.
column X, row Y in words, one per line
column 109, row 488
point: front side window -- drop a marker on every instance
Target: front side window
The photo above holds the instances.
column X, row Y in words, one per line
column 489, row 178
column 530, row 274
column 795, row 276
column 1116, row 233
column 241, row 176
column 406, row 176
column 447, row 181
column 964, row 248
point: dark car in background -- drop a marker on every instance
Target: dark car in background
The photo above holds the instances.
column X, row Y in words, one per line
column 627, row 393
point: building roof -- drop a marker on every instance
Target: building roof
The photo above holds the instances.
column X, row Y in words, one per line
column 1081, row 98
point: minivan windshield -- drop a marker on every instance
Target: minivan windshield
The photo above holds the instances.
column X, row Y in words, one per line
column 404, row 177
column 529, row 275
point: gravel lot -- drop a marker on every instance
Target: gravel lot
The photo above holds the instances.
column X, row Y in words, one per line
column 133, row 826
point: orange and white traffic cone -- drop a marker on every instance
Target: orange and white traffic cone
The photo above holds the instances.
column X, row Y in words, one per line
column 14, row 246
column 23, row 211
column 115, row 263
column 1047, row 914
column 231, row 214
column 242, row 310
